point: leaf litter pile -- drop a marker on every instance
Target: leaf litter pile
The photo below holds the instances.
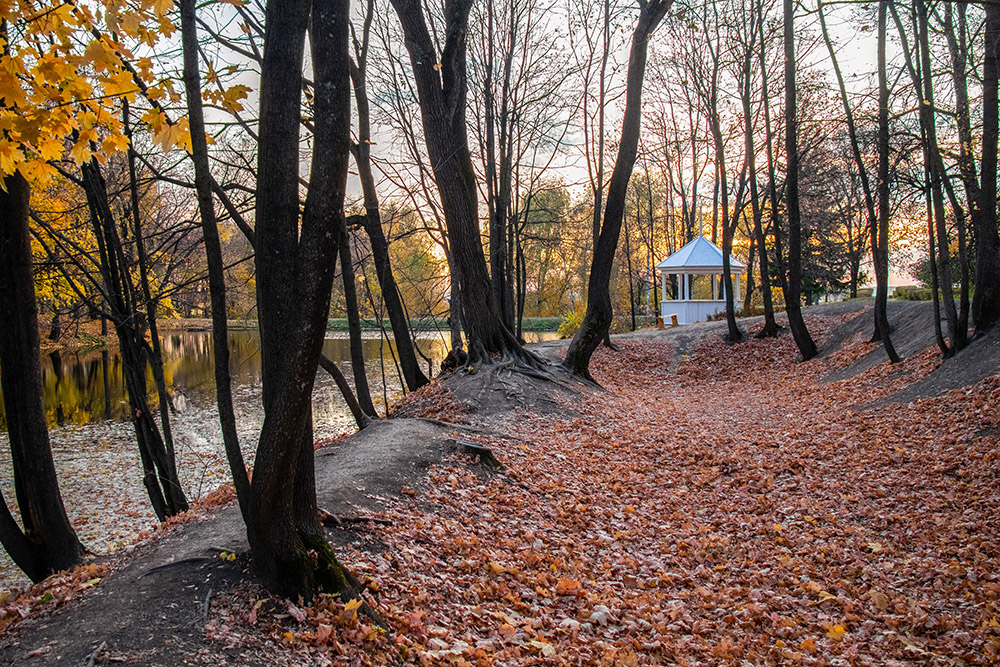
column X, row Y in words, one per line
column 726, row 507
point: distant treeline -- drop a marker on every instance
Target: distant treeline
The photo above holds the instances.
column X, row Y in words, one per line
column 437, row 324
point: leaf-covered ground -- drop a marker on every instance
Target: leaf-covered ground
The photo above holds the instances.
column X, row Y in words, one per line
column 717, row 505
column 725, row 507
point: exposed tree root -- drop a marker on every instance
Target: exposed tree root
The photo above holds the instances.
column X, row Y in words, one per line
column 734, row 339
column 769, row 332
column 340, row 521
column 333, row 577
column 485, row 454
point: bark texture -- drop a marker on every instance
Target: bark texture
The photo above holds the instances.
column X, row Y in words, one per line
column 295, row 272
column 47, row 542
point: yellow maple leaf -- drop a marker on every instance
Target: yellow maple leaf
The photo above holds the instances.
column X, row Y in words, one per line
column 231, row 98
column 100, row 56
column 351, row 608
column 10, row 155
column 836, row 632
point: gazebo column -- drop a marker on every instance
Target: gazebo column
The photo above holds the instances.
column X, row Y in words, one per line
column 737, row 290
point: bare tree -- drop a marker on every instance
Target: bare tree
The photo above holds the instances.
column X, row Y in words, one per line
column 597, row 320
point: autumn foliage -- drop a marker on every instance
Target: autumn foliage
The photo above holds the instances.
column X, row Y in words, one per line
column 722, row 506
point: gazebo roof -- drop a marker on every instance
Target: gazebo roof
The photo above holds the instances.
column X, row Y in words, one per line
column 698, row 255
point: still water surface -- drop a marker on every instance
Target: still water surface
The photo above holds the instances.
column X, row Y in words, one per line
column 83, row 387
column 93, row 443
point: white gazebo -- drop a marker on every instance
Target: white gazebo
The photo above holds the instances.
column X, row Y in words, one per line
column 700, row 288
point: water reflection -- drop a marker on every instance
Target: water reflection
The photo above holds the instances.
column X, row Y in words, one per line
column 83, row 387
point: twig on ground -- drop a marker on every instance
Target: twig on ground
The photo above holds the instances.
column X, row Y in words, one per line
column 92, row 658
column 206, row 607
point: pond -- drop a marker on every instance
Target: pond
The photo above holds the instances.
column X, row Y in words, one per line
column 93, row 443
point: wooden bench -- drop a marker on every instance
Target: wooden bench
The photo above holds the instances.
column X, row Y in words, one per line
column 660, row 323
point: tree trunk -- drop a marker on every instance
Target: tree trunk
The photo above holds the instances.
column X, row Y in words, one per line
column 935, row 283
column 598, row 317
column 295, row 272
column 986, row 301
column 793, row 297
column 362, row 419
column 48, row 542
column 771, row 328
column 442, row 85
column 154, row 353
column 779, row 257
column 159, row 466
column 213, row 255
column 354, row 326
column 936, row 166
column 879, row 224
column 734, row 334
column 372, row 221
column 55, row 329
column 880, row 235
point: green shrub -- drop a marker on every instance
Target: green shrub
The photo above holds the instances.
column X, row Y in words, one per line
column 541, row 323
column 570, row 324
column 913, row 293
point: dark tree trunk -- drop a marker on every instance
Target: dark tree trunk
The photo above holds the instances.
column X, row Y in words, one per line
column 47, row 542
column 878, row 223
column 295, row 272
column 55, row 329
column 372, row 221
column 734, row 334
column 771, row 328
column 963, row 256
column 598, row 317
column 936, row 166
column 159, row 467
column 442, row 84
column 362, row 419
column 935, row 282
column 793, row 295
column 779, row 257
column 880, row 231
column 986, row 301
column 213, row 254
column 628, row 266
column 750, row 287
column 500, row 171
column 106, row 368
column 154, row 353
column 354, row 326
column 455, row 314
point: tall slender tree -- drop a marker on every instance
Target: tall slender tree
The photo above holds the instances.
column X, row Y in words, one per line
column 47, row 541
column 793, row 292
column 442, row 85
column 986, row 301
column 878, row 224
column 295, row 271
column 213, row 252
column 597, row 319
column 372, row 219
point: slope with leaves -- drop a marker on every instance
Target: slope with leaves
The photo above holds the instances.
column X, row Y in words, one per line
column 736, row 509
